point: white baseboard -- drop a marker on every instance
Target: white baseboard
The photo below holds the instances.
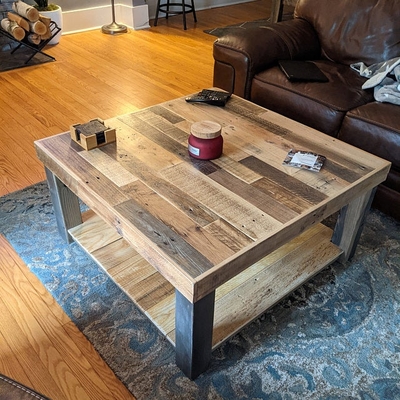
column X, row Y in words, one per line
column 94, row 18
column 135, row 17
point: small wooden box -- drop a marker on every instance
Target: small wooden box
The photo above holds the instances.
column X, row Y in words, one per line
column 92, row 134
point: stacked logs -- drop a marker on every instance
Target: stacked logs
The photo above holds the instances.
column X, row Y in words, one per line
column 25, row 21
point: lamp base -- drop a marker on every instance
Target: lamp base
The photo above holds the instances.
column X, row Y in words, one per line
column 114, row 28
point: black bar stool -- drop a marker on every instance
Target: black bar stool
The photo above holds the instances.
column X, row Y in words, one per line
column 183, row 9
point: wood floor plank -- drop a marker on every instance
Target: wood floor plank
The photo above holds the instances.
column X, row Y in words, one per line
column 55, row 364
column 10, row 365
column 116, row 390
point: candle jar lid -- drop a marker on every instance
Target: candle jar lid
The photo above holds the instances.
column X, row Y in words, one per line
column 206, row 129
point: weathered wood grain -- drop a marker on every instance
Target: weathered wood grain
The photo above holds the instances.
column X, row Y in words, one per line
column 241, row 214
column 170, row 244
column 251, row 194
column 242, row 230
column 162, row 210
column 253, row 291
column 202, row 222
column 112, row 169
column 297, row 188
column 46, row 350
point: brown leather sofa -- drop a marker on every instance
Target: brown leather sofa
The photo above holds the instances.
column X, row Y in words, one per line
column 333, row 34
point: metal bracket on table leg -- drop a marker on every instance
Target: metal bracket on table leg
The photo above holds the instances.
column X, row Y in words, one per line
column 66, row 206
column 350, row 223
column 193, row 333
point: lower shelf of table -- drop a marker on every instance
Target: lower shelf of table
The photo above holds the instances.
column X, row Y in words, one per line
column 237, row 302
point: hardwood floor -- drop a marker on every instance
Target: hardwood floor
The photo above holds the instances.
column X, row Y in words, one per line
column 95, row 75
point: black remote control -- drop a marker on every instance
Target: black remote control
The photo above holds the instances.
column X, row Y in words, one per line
column 208, row 96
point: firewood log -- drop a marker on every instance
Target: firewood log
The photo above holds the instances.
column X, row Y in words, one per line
column 46, row 21
column 34, row 38
column 26, row 11
column 13, row 28
column 38, row 27
column 22, row 22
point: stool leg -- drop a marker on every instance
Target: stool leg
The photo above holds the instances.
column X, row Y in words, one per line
column 184, row 14
column 157, row 11
column 194, row 12
column 167, row 13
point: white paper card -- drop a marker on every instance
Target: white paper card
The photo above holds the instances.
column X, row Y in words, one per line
column 304, row 159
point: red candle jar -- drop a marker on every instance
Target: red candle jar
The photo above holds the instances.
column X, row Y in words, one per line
column 205, row 140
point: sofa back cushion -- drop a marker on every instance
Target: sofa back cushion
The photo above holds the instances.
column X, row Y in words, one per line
column 354, row 30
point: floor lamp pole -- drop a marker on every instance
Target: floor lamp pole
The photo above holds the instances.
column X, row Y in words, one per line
column 113, row 27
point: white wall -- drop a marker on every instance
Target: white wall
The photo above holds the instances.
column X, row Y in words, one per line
column 133, row 13
column 84, row 19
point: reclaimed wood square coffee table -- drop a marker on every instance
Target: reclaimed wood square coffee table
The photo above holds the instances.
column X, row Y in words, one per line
column 205, row 247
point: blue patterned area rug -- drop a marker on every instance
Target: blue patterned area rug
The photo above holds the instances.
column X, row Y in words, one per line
column 336, row 337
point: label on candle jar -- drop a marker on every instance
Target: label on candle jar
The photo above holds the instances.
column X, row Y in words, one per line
column 193, row 150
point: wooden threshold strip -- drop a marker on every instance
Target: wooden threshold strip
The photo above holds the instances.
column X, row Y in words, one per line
column 237, row 302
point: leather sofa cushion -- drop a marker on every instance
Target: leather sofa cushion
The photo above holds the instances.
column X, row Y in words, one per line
column 319, row 105
column 387, row 200
column 355, row 30
column 374, row 127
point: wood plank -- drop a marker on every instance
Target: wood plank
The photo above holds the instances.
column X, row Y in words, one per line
column 115, row 388
column 176, row 251
column 211, row 248
column 351, row 158
column 143, row 140
column 279, row 178
column 111, row 168
column 243, row 130
column 335, row 176
column 281, row 194
column 253, row 291
column 37, row 355
column 236, row 169
column 184, row 202
column 94, row 235
column 261, row 200
column 249, row 220
column 10, row 364
column 228, row 234
column 40, row 341
column 273, row 282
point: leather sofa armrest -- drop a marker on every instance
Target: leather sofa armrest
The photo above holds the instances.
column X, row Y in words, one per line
column 240, row 55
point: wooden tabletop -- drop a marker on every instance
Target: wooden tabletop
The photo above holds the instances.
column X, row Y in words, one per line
column 199, row 223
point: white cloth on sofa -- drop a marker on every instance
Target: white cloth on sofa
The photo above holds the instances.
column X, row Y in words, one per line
column 384, row 77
